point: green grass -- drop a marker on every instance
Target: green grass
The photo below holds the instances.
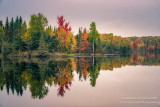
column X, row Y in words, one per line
column 36, row 53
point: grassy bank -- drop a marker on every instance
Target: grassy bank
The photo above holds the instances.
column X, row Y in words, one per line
column 34, row 54
column 45, row 54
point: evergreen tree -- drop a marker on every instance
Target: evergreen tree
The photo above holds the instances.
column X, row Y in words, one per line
column 42, row 46
column 1, row 23
column 20, row 28
column 20, row 25
column 16, row 26
column 24, row 27
column 11, row 30
column 79, row 40
column 50, row 39
column 6, row 30
column 1, row 35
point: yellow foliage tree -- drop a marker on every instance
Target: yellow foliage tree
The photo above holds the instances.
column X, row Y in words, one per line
column 49, row 31
column 26, row 37
column 74, row 42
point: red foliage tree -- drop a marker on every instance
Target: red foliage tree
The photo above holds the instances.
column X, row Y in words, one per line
column 61, row 23
column 134, row 46
column 63, row 27
column 134, row 57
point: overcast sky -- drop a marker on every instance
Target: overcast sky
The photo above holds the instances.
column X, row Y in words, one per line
column 121, row 17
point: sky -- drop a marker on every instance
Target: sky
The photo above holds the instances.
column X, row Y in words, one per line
column 120, row 17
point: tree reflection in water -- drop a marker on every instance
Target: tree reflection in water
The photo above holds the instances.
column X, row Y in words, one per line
column 16, row 75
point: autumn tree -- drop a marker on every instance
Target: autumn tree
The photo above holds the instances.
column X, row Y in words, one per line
column 73, row 44
column 26, row 38
column 64, row 77
column 49, row 31
column 64, row 35
column 134, row 46
column 85, row 42
column 85, row 66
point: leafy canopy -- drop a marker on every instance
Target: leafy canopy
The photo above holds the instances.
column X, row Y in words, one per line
column 93, row 34
column 37, row 23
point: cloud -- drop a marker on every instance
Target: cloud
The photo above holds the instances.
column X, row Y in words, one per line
column 122, row 17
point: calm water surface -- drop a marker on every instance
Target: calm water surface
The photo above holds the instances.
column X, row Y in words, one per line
column 111, row 81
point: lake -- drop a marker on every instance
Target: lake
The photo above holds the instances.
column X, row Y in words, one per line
column 109, row 81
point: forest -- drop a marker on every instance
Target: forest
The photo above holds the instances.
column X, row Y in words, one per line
column 38, row 38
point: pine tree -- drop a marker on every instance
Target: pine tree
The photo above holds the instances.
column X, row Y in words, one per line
column 42, row 47
column 24, row 27
column 11, row 30
column 20, row 25
column 16, row 26
column 79, row 40
column 20, row 28
column 1, row 35
column 1, row 23
column 6, row 30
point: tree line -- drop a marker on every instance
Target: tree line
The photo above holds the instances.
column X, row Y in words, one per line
column 16, row 36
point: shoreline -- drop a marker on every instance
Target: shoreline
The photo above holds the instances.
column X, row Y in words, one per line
column 36, row 54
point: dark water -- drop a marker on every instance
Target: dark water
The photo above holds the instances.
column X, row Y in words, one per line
column 111, row 81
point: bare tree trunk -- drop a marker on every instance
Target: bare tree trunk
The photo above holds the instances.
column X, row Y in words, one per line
column 93, row 63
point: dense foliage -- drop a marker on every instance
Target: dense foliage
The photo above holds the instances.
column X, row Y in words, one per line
column 16, row 36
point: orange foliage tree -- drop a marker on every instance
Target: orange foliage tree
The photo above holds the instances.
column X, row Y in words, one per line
column 85, row 42
column 85, row 66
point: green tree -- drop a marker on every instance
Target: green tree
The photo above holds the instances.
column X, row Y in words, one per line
column 50, row 39
column 37, row 25
column 19, row 30
column 93, row 35
column 125, row 46
column 11, row 30
column 6, row 44
column 1, row 35
column 79, row 40
column 42, row 46
column 1, row 23
column 24, row 27
column 20, row 25
column 6, row 30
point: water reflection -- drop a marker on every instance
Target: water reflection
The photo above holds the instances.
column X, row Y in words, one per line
column 16, row 75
